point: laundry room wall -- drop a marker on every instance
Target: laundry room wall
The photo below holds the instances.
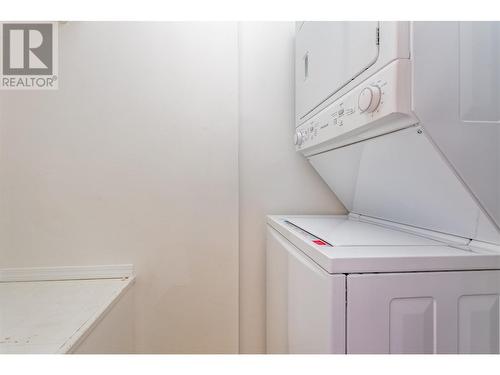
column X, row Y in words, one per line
column 134, row 160
column 165, row 146
column 274, row 179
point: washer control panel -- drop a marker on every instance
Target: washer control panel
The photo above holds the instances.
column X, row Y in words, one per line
column 361, row 112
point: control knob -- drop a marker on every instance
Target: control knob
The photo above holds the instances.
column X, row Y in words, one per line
column 298, row 138
column 369, row 99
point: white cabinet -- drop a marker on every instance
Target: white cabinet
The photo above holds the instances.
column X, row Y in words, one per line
column 429, row 312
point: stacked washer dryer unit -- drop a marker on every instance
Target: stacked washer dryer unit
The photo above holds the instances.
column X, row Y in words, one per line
column 402, row 121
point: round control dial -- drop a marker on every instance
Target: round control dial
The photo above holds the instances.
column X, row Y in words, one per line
column 369, row 99
column 298, row 138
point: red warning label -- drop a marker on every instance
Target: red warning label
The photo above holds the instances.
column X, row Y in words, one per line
column 320, row 243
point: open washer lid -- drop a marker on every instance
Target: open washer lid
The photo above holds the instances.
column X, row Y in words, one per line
column 340, row 245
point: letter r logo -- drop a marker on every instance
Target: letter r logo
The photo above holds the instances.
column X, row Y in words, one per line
column 27, row 49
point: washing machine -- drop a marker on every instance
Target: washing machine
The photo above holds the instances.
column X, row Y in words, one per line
column 344, row 284
column 402, row 122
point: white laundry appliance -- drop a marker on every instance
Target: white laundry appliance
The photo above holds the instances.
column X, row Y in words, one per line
column 402, row 121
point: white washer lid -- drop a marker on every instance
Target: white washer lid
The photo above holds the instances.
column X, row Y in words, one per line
column 340, row 231
column 358, row 247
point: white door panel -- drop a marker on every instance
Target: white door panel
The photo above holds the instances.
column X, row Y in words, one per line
column 434, row 312
column 478, row 324
column 328, row 55
column 411, row 325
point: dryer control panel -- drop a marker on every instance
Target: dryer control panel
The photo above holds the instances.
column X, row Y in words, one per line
column 377, row 106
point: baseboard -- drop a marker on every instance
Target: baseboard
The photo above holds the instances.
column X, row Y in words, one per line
column 112, row 271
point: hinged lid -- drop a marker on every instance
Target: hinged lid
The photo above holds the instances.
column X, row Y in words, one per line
column 359, row 247
column 339, row 231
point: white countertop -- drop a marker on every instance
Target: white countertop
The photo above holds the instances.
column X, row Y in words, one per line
column 52, row 316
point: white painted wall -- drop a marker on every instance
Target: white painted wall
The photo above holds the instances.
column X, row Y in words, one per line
column 134, row 160
column 274, row 179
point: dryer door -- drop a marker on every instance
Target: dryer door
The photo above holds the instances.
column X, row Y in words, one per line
column 328, row 55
